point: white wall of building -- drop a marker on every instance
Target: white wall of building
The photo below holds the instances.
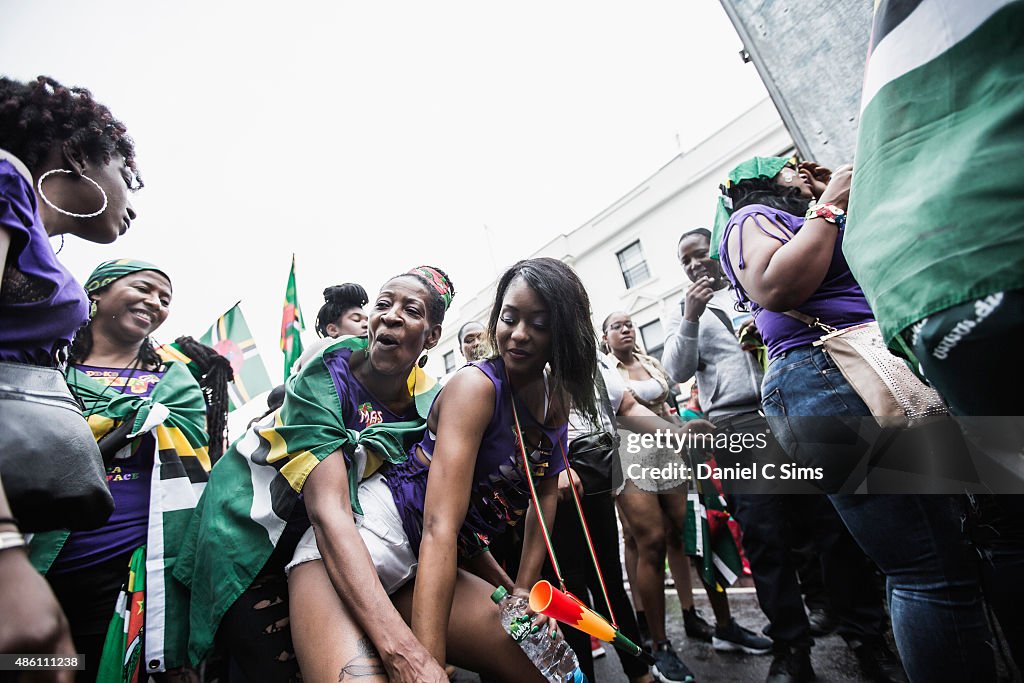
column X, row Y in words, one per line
column 678, row 197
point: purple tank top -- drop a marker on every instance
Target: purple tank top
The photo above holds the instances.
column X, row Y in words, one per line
column 129, row 476
column 41, row 305
column 500, row 493
column 838, row 301
column 359, row 408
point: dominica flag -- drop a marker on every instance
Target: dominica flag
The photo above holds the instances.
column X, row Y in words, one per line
column 291, row 324
column 231, row 338
column 938, row 171
column 711, row 541
column 122, row 648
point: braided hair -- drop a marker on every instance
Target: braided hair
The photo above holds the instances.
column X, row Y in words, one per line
column 338, row 299
column 214, row 374
column 40, row 114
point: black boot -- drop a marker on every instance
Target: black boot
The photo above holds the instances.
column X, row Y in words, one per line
column 695, row 625
column 791, row 665
column 878, row 662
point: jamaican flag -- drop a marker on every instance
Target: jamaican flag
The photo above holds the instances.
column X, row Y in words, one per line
column 255, row 486
column 934, row 217
column 175, row 414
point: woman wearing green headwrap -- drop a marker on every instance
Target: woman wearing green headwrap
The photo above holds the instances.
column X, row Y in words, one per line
column 783, row 254
column 149, row 418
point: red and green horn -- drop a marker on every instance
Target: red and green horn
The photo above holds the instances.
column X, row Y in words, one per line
column 549, row 601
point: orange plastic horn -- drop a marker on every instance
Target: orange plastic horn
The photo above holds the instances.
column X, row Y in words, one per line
column 551, row 602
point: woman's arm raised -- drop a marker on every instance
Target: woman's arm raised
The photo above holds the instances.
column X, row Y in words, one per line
column 780, row 275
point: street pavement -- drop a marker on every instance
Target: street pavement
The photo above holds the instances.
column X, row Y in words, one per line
column 832, row 660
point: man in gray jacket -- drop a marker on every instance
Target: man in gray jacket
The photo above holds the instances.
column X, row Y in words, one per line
column 704, row 340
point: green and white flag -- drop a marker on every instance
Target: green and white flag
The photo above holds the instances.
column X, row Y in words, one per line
column 175, row 414
column 934, row 216
column 231, row 338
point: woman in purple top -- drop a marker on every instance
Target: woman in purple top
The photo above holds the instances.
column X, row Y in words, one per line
column 465, row 482
column 782, row 252
column 66, row 166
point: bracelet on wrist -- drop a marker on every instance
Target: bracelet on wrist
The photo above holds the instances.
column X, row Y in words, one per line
column 830, row 212
column 11, row 539
column 9, row 520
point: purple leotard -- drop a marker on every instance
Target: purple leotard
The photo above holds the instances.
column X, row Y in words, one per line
column 500, row 494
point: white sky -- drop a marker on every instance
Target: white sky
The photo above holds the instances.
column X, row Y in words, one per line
column 368, row 137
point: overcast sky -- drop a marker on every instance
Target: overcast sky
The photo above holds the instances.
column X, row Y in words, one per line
column 370, row 137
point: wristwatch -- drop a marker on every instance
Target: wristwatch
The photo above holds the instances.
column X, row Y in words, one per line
column 830, row 212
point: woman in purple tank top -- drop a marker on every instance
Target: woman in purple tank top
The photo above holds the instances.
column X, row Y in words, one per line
column 782, row 252
column 463, row 487
column 66, row 167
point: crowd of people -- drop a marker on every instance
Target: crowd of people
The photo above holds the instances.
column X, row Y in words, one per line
column 359, row 528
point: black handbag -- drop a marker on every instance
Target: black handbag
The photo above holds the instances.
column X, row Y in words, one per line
column 52, row 472
column 592, row 456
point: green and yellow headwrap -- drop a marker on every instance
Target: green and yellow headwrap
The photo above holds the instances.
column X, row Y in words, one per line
column 109, row 271
column 438, row 281
column 767, row 167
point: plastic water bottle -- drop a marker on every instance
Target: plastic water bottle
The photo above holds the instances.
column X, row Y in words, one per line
column 553, row 658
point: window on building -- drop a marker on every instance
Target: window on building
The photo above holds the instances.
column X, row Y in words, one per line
column 633, row 266
column 653, row 335
column 449, row 361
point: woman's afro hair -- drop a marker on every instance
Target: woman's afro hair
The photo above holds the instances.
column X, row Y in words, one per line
column 40, row 114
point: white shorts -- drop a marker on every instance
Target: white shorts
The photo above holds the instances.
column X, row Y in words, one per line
column 381, row 530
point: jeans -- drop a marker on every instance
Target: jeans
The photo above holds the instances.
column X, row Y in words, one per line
column 768, row 521
column 918, row 541
column 978, row 374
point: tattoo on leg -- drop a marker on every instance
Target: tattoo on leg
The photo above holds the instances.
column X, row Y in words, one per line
column 366, row 663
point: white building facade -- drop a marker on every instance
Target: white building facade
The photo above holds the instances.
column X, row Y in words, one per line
column 626, row 255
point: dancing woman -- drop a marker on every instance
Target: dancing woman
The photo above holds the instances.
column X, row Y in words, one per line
column 295, row 475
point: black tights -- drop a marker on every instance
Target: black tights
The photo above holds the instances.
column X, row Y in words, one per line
column 581, row 577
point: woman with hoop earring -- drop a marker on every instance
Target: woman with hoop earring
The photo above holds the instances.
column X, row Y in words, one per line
column 66, row 167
